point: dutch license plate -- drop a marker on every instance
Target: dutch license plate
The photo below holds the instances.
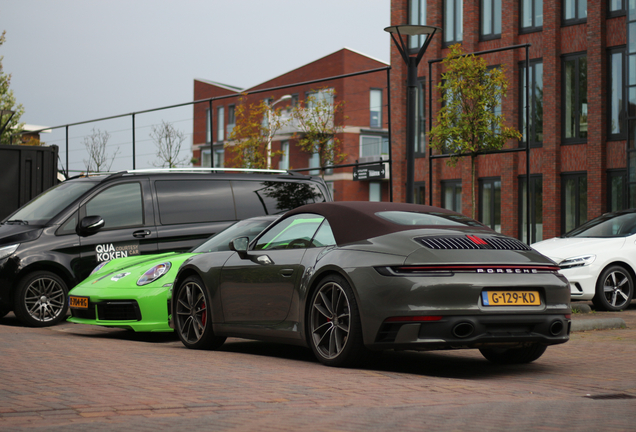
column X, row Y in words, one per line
column 510, row 298
column 78, row 302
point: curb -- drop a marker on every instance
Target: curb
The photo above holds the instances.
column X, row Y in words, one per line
column 597, row 324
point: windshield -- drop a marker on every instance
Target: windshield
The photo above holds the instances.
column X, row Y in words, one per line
column 608, row 225
column 49, row 203
column 221, row 241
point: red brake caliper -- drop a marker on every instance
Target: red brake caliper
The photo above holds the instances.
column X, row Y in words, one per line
column 204, row 313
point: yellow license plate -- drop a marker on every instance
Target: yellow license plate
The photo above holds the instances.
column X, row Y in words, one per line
column 78, row 302
column 510, row 298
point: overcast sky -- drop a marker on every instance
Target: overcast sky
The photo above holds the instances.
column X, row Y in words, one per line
column 77, row 60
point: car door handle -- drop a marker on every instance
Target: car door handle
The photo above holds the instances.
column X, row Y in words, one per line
column 287, row 272
column 141, row 234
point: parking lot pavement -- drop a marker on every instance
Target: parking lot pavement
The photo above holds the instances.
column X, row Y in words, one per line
column 73, row 377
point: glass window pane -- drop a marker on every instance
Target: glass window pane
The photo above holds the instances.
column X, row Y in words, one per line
column 616, row 93
column 220, row 124
column 459, row 21
column 375, row 108
column 486, row 17
column 582, row 12
column 449, row 19
column 538, row 13
column 375, row 191
column 582, row 85
column 569, row 99
column 497, row 17
column 526, row 13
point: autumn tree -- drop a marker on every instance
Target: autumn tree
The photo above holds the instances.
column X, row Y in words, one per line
column 469, row 122
column 10, row 124
column 98, row 158
column 255, row 124
column 168, row 141
column 319, row 120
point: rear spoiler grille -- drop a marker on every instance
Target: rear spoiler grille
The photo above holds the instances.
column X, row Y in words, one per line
column 472, row 241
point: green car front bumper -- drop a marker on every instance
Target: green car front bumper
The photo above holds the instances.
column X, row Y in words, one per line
column 138, row 309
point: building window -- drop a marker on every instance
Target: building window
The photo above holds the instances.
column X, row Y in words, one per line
column 375, row 191
column 231, row 119
column 616, row 190
column 220, row 124
column 373, row 147
column 284, row 157
column 314, row 162
column 536, row 209
column 531, row 15
column 375, row 108
column 574, row 11
column 294, row 100
column 208, row 126
column 453, row 21
column 452, row 195
column 536, row 103
column 417, row 16
column 420, row 193
column 573, row 200
column 617, row 124
column 490, row 202
column 206, row 158
column 490, row 19
column 617, row 7
column 575, row 98
column 218, row 153
column 420, row 119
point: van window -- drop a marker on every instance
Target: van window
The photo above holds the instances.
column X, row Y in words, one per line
column 272, row 197
column 192, row 201
column 119, row 206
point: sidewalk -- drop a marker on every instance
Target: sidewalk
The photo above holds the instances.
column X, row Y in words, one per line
column 585, row 318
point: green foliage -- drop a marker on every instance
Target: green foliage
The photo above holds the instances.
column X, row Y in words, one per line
column 7, row 102
column 319, row 119
column 468, row 123
column 252, row 132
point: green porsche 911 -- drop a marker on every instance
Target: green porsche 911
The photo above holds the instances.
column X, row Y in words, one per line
column 134, row 292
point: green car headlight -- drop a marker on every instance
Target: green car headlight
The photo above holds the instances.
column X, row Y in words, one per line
column 578, row 261
column 99, row 266
column 154, row 273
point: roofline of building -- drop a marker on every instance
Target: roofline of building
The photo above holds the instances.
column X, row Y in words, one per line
column 218, row 84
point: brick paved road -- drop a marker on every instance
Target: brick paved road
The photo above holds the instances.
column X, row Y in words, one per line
column 75, row 377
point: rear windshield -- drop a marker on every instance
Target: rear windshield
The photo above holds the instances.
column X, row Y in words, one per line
column 49, row 203
column 608, row 225
column 413, row 218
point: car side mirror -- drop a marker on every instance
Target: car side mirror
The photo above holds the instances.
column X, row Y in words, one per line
column 90, row 225
column 240, row 245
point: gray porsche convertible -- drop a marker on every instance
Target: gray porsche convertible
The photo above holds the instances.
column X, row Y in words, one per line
column 345, row 277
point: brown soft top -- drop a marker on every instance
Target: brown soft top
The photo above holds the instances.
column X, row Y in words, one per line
column 353, row 221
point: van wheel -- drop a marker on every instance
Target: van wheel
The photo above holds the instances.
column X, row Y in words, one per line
column 41, row 299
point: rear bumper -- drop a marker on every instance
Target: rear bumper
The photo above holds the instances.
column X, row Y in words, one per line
column 474, row 331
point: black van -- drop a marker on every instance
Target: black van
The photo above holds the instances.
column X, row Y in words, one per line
column 54, row 241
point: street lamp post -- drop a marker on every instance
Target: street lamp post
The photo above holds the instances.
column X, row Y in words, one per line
column 2, row 114
column 412, row 61
column 270, row 110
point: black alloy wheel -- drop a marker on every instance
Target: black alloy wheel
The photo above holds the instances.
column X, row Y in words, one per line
column 193, row 318
column 614, row 289
column 521, row 355
column 335, row 333
column 41, row 299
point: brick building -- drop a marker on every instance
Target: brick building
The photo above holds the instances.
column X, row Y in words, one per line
column 364, row 134
column 578, row 110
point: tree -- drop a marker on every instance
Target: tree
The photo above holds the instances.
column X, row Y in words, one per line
column 168, row 141
column 7, row 102
column 468, row 123
column 252, row 131
column 98, row 158
column 319, row 120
